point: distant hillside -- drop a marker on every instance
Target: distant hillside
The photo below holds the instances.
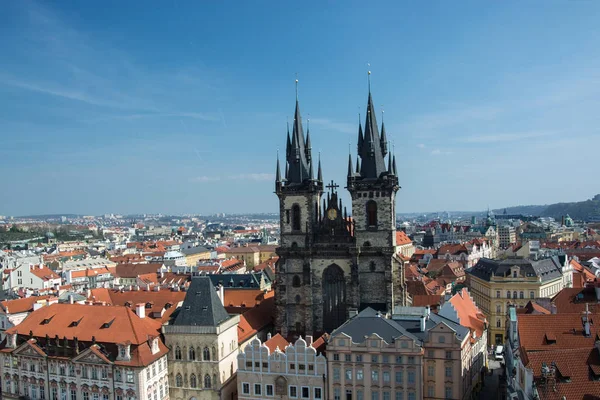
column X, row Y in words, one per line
column 582, row 210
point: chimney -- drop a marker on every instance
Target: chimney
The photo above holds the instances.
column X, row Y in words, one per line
column 553, row 308
column 428, row 311
column 37, row 306
column 269, row 336
column 309, row 340
column 71, row 299
column 88, row 294
column 423, row 323
column 157, row 288
column 140, row 310
column 222, row 294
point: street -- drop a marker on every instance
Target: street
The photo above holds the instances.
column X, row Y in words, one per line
column 492, row 382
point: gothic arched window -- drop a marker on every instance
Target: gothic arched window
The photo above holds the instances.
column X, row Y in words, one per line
column 296, row 281
column 206, row 354
column 177, row 353
column 192, row 354
column 295, row 217
column 371, row 213
column 207, row 384
column 179, row 381
column 214, row 353
column 193, row 382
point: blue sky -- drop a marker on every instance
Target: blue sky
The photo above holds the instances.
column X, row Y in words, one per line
column 180, row 107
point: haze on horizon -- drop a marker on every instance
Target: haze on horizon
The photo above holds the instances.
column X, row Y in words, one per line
column 181, row 107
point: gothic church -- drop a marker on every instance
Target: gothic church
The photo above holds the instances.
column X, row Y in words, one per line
column 332, row 264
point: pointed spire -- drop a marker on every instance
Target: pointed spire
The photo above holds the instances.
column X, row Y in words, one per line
column 360, row 135
column 357, row 166
column 308, row 145
column 287, row 171
column 319, row 172
column 311, row 175
column 371, row 154
column 390, row 165
column 383, row 140
column 288, row 147
column 350, row 168
column 394, row 164
column 298, row 158
column 278, row 171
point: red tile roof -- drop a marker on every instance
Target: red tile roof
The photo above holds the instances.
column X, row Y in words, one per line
column 275, row 342
column 469, row 314
column 402, row 238
column 44, row 273
column 566, row 327
column 256, row 319
column 134, row 270
column 21, row 305
column 574, row 300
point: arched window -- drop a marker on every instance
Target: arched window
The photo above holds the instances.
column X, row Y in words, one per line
column 179, row 381
column 515, row 294
column 296, row 281
column 508, row 294
column 177, row 353
column 295, row 217
column 192, row 354
column 371, row 213
column 521, row 295
column 367, row 244
column 206, row 354
column 207, row 384
column 193, row 382
column 214, row 353
column 498, row 323
column 498, row 308
column 298, row 298
column 214, row 381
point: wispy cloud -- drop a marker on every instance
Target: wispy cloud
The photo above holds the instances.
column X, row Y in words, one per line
column 205, row 178
column 329, row 124
column 421, row 145
column 505, row 137
column 440, row 152
column 254, row 177
column 436, row 121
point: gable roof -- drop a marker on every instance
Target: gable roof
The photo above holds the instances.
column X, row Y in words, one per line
column 44, row 273
column 21, row 305
column 135, row 270
column 402, row 238
column 201, row 306
column 567, row 328
column 467, row 311
column 275, row 342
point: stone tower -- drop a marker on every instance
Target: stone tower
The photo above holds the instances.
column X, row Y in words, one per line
column 331, row 263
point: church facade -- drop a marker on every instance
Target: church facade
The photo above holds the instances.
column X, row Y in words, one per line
column 332, row 264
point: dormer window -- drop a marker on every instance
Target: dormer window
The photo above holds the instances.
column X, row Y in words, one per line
column 155, row 346
column 124, row 352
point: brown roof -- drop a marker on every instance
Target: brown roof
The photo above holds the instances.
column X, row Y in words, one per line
column 402, row 238
column 469, row 314
column 134, row 270
column 578, row 371
column 90, row 272
column 567, row 328
column 243, row 250
column 275, row 342
column 21, row 305
column 44, row 273
column 245, row 298
column 436, row 264
column 422, row 300
column 574, row 300
column 256, row 319
column 416, row 288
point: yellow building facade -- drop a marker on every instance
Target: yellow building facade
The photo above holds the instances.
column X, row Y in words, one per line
column 496, row 284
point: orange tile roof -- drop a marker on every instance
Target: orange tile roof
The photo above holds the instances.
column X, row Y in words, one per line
column 271, row 262
column 44, row 273
column 453, row 249
column 469, row 314
column 420, row 300
column 89, row 272
column 566, row 327
column 580, row 268
column 134, row 270
column 256, row 319
column 21, row 305
column 246, row 298
column 402, row 238
column 275, row 342
column 574, row 300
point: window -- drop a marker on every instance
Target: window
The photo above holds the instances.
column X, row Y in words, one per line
column 84, row 372
column 508, row 294
column 287, row 216
column 269, row 390
column 206, row 354
column 448, row 372
column 430, row 372
column 32, row 367
column 411, row 359
column 359, row 358
column 399, row 395
column 348, row 375
column 318, row 393
column 431, row 391
column 515, row 294
column 336, row 374
column 374, row 343
column 177, row 353
column 359, row 394
column 193, row 381
column 532, row 295
column 118, row 375
column 148, row 373
column 292, row 366
column 347, row 357
column 293, row 391
column 385, row 358
column 359, row 374
column 295, row 217
column 399, row 377
column 374, row 358
column 514, row 274
column 73, row 394
column 448, row 392
column 341, row 342
column 371, row 213
column 411, row 377
column 296, row 281
column 521, row 295
column 129, row 376
column 245, row 388
column 498, row 323
column 178, row 380
column 374, row 395
column 257, row 389
column 386, row 395
column 207, row 382
column 71, row 370
column 305, row 392
column 86, row 396
column 54, row 392
column 442, row 339
column 398, row 359
column 497, row 294
column 374, row 376
column 94, row 373
column 449, row 355
column 386, row 376
column 336, row 357
column 498, row 308
column 191, row 354
column 337, row 394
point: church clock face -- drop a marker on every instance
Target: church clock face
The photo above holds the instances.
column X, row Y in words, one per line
column 332, row 214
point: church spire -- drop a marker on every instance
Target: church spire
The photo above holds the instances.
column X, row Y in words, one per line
column 383, row 140
column 370, row 151
column 298, row 156
column 360, row 134
column 350, row 168
column 278, row 171
column 394, row 164
column 308, row 145
column 390, row 165
column 319, row 172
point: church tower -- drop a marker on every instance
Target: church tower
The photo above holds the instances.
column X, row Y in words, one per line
column 299, row 195
column 373, row 187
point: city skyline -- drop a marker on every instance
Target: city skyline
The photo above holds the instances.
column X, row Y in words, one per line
column 134, row 109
